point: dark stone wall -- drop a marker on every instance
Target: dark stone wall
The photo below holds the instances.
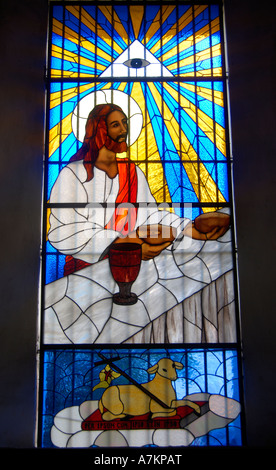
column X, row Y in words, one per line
column 251, row 38
column 251, row 51
column 23, row 48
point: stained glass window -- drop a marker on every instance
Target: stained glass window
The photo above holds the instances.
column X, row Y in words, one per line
column 139, row 281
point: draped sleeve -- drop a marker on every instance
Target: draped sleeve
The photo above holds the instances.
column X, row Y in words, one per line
column 79, row 231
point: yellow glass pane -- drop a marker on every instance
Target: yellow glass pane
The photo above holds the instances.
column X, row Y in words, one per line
column 160, row 18
column 59, row 133
column 136, row 15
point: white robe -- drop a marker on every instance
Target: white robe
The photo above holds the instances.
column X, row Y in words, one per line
column 81, row 231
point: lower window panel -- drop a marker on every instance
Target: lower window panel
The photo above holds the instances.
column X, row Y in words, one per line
column 140, row 398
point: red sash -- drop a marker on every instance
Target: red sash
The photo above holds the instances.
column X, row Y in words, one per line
column 124, row 218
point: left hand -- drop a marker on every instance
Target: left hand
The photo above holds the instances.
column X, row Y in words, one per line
column 209, row 226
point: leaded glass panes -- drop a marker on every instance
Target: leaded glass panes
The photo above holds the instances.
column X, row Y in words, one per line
column 75, row 382
column 138, row 234
column 170, row 40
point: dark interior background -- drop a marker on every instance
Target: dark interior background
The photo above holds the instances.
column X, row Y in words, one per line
column 251, row 35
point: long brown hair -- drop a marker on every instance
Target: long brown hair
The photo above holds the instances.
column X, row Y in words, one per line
column 96, row 137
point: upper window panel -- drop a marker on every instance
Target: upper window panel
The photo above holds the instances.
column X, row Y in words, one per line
column 167, row 170
column 136, row 41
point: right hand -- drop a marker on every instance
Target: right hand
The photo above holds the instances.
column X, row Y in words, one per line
column 153, row 238
column 150, row 251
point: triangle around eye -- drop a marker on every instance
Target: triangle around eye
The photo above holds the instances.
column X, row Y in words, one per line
column 136, row 51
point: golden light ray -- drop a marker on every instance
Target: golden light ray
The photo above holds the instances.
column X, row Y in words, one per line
column 88, row 21
column 206, row 93
column 188, row 42
column 59, row 97
column 185, row 19
column 75, row 58
column 79, row 40
column 59, row 133
column 203, row 184
column 113, row 18
column 215, row 132
column 145, row 148
column 160, row 17
column 136, row 14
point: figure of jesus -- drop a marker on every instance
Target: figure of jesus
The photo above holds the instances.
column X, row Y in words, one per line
column 95, row 175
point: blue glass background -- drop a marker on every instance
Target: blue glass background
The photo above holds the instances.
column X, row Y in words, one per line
column 69, row 377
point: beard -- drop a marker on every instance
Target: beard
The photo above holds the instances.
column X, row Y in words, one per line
column 114, row 146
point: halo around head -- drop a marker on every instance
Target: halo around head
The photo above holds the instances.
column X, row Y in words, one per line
column 126, row 102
